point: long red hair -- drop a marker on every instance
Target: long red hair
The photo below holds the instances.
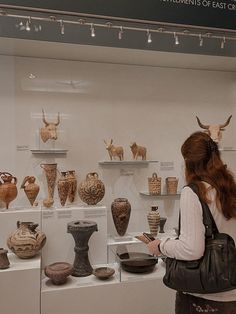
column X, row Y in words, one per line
column 203, row 163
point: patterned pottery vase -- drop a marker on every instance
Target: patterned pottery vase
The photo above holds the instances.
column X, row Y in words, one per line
column 4, row 262
column 31, row 188
column 153, row 218
column 63, row 188
column 26, row 241
column 51, row 176
column 171, row 185
column 72, row 185
column 58, row 272
column 91, row 190
column 8, row 189
column 121, row 210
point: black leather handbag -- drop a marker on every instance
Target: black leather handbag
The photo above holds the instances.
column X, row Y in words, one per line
column 215, row 271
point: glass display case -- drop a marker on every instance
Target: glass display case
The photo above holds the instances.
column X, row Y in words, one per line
column 63, row 92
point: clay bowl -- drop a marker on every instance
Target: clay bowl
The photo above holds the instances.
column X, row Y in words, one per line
column 136, row 262
column 103, row 273
column 58, row 272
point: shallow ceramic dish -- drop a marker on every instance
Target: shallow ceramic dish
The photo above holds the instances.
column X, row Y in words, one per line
column 136, row 262
column 103, row 273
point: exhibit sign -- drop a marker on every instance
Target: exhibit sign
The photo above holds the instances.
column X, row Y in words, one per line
column 205, row 13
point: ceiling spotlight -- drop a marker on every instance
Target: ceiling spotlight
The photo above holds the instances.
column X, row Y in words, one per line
column 222, row 45
column 37, row 28
column 120, row 34
column 27, row 25
column 149, row 37
column 176, row 38
column 92, row 31
column 62, row 26
column 32, row 76
column 200, row 40
column 109, row 24
column 81, row 21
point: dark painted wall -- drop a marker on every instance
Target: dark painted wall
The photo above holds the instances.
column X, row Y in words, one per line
column 218, row 14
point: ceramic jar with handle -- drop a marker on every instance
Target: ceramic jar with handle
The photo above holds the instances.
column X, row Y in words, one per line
column 27, row 240
column 91, row 190
column 31, row 188
column 8, row 189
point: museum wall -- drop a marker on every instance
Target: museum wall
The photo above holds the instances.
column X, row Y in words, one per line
column 154, row 106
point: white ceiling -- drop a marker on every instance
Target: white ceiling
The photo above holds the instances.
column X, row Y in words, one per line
column 42, row 49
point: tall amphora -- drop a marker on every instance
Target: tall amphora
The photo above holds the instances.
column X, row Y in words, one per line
column 51, row 175
column 72, row 185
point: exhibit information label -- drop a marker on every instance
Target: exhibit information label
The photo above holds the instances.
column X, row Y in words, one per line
column 207, row 13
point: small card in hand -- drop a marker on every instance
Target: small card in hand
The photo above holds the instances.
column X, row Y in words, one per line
column 145, row 237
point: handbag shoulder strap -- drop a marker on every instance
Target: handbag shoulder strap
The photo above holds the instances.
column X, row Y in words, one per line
column 208, row 220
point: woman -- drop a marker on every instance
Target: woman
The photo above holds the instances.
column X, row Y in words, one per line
column 217, row 187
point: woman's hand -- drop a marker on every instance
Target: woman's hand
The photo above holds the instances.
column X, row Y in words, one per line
column 153, row 247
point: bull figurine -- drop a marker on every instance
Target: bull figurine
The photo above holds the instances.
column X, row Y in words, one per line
column 214, row 130
column 114, row 151
column 138, row 151
column 50, row 129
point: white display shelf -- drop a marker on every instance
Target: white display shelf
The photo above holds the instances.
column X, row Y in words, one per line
column 227, row 149
column 104, row 296
column 146, row 193
column 20, row 209
column 120, row 275
column 18, row 264
column 20, row 286
column 157, row 273
column 127, row 162
column 49, row 151
column 79, row 282
column 115, row 240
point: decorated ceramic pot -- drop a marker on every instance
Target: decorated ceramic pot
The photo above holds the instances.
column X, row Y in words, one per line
column 27, row 240
column 91, row 190
column 63, row 188
column 51, row 176
column 72, row 185
column 153, row 218
column 8, row 189
column 121, row 210
column 31, row 188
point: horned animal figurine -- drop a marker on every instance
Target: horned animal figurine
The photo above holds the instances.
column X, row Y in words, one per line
column 138, row 151
column 214, row 130
column 114, row 151
column 50, row 129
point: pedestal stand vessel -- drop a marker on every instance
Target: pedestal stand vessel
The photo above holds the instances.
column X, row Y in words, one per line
column 81, row 231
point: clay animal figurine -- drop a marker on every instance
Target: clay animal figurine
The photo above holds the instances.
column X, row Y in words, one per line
column 114, row 151
column 50, row 129
column 138, row 151
column 214, row 130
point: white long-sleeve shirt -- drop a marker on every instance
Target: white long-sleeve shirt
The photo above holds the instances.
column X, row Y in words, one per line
column 191, row 242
